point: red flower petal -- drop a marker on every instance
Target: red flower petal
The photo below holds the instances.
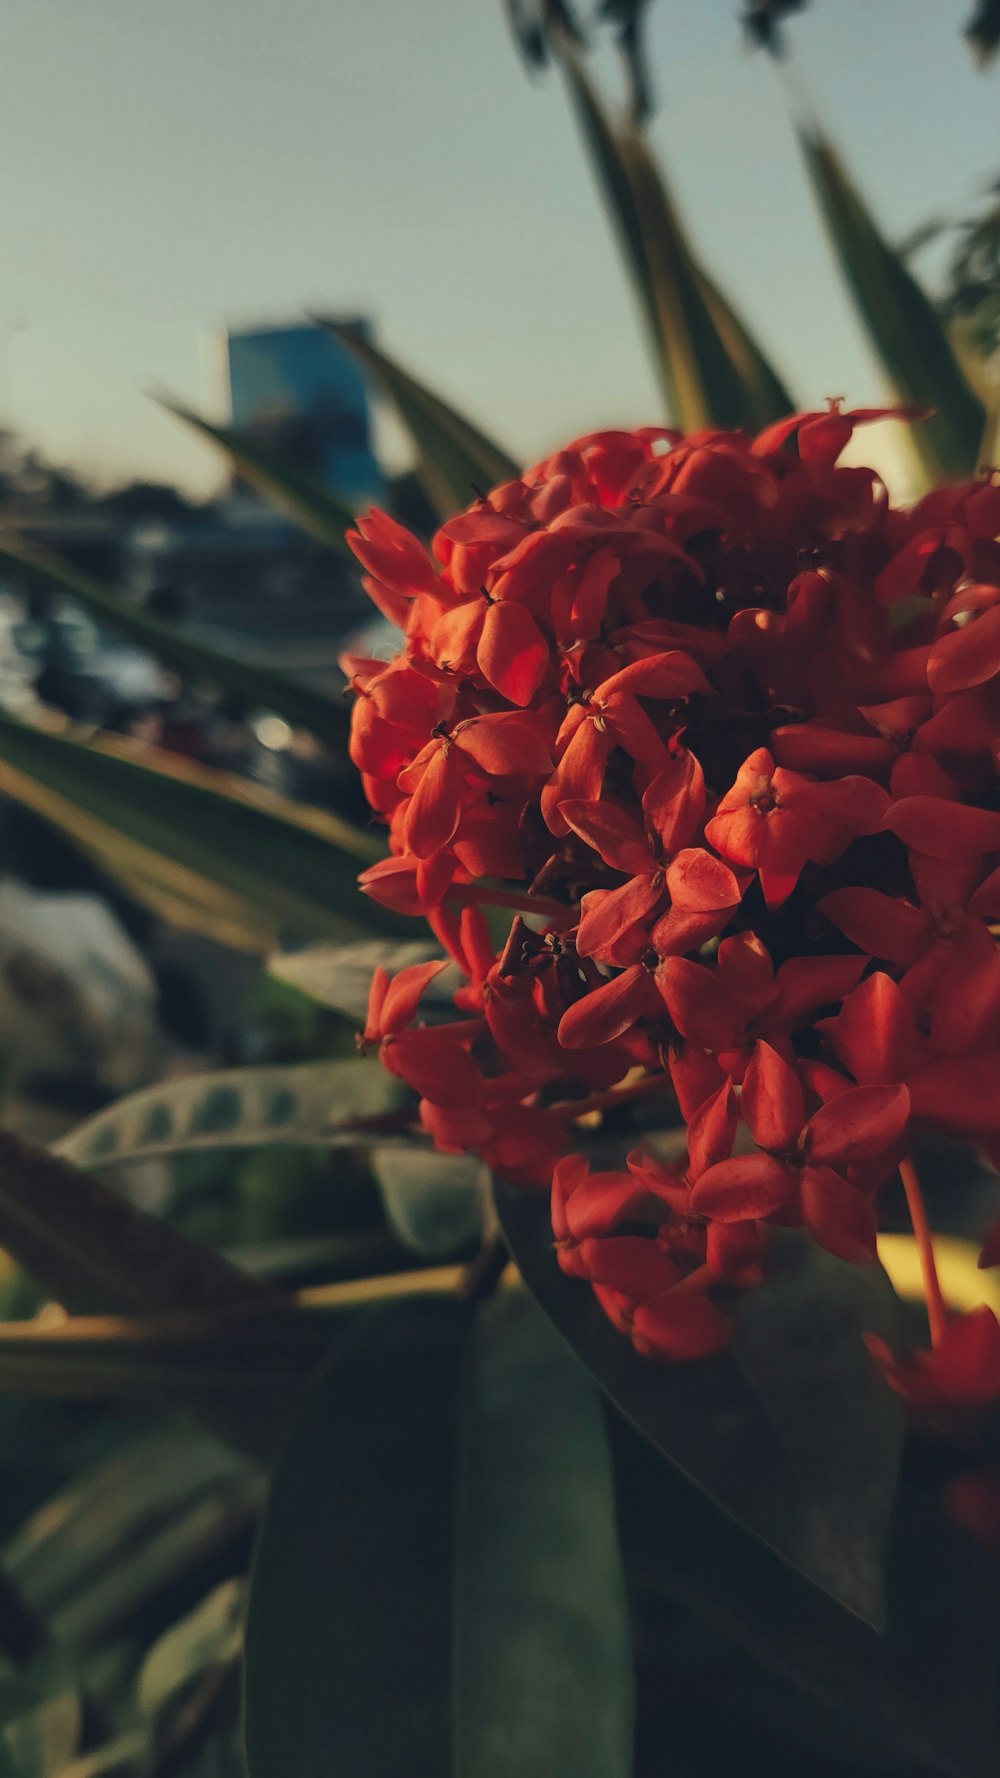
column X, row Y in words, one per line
column 435, row 1066
column 742, row 1189
column 505, row 745
column 404, row 995
column 712, row 1130
column 674, row 802
column 607, row 1012
column 838, row 1215
column 963, row 1370
column 633, row 1264
column 702, row 1008
column 772, row 1101
column 434, row 809
column 875, row 1033
column 681, row 1324
column 967, row 656
column 858, row 1125
column 513, row 654
column 614, row 834
column 883, row 925
column 944, row 829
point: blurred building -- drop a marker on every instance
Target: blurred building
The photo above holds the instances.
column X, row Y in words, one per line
column 299, row 393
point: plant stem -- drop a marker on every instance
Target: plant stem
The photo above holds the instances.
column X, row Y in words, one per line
column 937, row 1314
column 616, row 1096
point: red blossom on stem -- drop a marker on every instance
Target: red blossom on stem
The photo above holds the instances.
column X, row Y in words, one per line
column 719, row 727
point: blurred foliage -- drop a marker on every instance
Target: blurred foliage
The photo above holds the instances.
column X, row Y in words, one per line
column 227, row 1330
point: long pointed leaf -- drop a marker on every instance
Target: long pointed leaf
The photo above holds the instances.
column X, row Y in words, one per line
column 94, row 1251
column 324, row 717
column 278, row 1105
column 906, row 332
column 507, row 1640
column 169, row 1358
column 307, row 503
column 711, row 369
column 298, row 873
column 455, row 458
column 752, row 1440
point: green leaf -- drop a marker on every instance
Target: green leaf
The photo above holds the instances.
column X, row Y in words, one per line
column 295, row 871
column 922, row 1697
column 455, row 459
column 340, row 976
column 542, row 1638
column 711, row 369
column 39, row 1744
column 255, row 685
column 308, row 503
column 433, row 1202
column 120, row 1758
column 348, row 1660
column 282, row 1105
column 755, row 1442
column 94, row 1251
column 107, row 1511
column 209, row 1636
column 235, row 1368
column 902, row 324
column 502, row 1633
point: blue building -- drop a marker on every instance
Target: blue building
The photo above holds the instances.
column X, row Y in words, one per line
column 298, row 391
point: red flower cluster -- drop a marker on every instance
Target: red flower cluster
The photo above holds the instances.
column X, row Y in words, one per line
column 721, row 726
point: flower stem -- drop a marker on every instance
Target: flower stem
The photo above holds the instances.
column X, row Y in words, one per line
column 937, row 1314
column 616, row 1096
column 471, row 895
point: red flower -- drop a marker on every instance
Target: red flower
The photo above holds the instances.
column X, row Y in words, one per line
column 803, row 1165
column 720, row 729
column 963, row 1370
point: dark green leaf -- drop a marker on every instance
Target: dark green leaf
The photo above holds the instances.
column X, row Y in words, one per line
column 543, row 1647
column 309, row 504
column 455, row 458
column 209, row 1636
column 527, row 1639
column 255, row 685
column 721, row 375
column 111, row 1508
column 94, row 1251
column 711, row 369
column 906, row 332
column 348, row 1633
column 922, row 1698
column 753, row 1457
column 299, row 874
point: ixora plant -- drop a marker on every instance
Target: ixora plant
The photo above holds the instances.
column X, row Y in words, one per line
column 720, row 724
column 637, row 1414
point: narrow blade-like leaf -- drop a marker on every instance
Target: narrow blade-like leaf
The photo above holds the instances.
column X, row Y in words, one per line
column 711, row 369
column 312, row 507
column 543, row 1645
column 94, row 1251
column 297, row 870
column 350, row 1600
column 906, row 332
column 455, row 458
column 254, row 685
column 507, row 1641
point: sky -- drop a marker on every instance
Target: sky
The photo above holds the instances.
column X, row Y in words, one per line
column 168, row 168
